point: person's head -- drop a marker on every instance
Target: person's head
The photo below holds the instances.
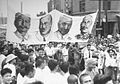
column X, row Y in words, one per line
column 31, row 59
column 40, row 62
column 6, row 75
column 22, row 22
column 30, row 52
column 74, row 69
column 88, row 46
column 64, row 24
column 90, row 64
column 112, row 53
column 45, row 25
column 50, row 44
column 111, row 46
column 41, row 52
column 52, row 64
column 72, row 79
column 85, row 24
column 64, row 67
column 29, row 70
column 85, row 79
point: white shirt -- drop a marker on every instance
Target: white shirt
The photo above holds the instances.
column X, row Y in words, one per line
column 20, row 79
column 58, row 36
column 40, row 38
column 50, row 51
column 111, row 62
column 54, row 78
column 42, row 74
column 27, row 80
column 87, row 53
column 20, row 39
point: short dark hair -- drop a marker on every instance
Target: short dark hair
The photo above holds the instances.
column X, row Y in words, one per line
column 28, row 68
column 64, row 67
column 111, row 50
column 30, row 50
column 74, row 69
column 82, row 75
column 88, row 44
column 37, row 82
column 39, row 61
column 5, row 70
column 52, row 64
column 40, row 49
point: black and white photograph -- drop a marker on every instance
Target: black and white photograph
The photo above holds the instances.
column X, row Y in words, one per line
column 59, row 41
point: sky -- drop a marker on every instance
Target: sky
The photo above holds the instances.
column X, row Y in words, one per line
column 31, row 7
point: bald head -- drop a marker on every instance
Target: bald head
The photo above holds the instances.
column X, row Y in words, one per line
column 86, row 24
column 72, row 79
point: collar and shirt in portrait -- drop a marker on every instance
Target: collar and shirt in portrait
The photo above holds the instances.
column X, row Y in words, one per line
column 41, row 38
column 59, row 36
column 19, row 38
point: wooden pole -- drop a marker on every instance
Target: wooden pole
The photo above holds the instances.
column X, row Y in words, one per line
column 21, row 7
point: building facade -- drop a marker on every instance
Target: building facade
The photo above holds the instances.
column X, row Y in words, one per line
column 83, row 7
column 63, row 6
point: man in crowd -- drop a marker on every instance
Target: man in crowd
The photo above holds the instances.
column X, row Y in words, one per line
column 85, row 28
column 72, row 79
column 64, row 26
column 86, row 79
column 6, row 76
column 90, row 67
column 88, row 51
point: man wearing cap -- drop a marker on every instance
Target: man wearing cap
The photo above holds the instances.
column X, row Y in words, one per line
column 64, row 26
column 90, row 67
column 11, row 60
column 85, row 28
column 45, row 25
column 22, row 24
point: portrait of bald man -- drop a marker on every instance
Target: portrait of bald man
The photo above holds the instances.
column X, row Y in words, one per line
column 45, row 25
column 64, row 26
column 85, row 28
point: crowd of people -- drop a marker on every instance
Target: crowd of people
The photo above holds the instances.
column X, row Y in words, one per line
column 94, row 62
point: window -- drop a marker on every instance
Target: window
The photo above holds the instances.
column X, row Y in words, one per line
column 82, row 5
column 107, row 4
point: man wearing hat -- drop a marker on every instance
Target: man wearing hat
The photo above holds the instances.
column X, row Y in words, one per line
column 64, row 26
column 10, row 63
column 90, row 67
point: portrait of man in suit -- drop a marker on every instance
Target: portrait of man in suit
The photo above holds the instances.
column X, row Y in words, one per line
column 45, row 25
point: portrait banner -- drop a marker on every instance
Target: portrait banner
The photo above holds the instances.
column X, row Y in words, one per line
column 26, row 28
